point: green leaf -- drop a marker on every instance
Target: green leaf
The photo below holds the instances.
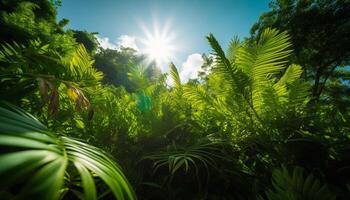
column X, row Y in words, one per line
column 42, row 159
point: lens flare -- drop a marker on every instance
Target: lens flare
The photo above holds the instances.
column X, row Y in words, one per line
column 159, row 44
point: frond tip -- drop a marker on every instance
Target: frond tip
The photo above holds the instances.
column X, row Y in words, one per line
column 225, row 68
column 220, row 56
column 175, row 75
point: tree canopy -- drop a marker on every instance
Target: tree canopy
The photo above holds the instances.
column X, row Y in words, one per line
column 320, row 32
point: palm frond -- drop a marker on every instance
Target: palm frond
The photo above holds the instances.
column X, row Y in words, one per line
column 239, row 81
column 233, row 47
column 175, row 76
column 291, row 75
column 229, row 71
column 267, row 56
column 37, row 58
column 45, row 158
column 81, row 67
column 261, row 61
column 295, row 186
column 10, row 53
column 188, row 158
column 197, row 95
column 137, row 77
column 290, row 89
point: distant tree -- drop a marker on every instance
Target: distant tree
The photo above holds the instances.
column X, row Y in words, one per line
column 44, row 9
column 206, row 67
column 87, row 39
column 152, row 72
column 320, row 32
column 56, row 3
column 116, row 64
column 22, row 21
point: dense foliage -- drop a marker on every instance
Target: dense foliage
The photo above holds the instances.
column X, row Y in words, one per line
column 321, row 43
column 102, row 124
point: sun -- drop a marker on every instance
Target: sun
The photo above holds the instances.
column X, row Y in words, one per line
column 158, row 49
column 159, row 44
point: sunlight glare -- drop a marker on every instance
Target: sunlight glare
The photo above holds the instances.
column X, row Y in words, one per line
column 159, row 45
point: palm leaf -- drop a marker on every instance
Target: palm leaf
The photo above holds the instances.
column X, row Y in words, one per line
column 43, row 158
column 175, row 76
column 265, row 57
column 80, row 66
column 234, row 75
column 295, row 186
column 229, row 71
column 290, row 89
column 194, row 157
column 233, row 47
column 261, row 61
column 251, row 70
column 197, row 95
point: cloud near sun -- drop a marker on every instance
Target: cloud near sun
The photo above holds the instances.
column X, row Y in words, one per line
column 191, row 67
column 123, row 41
column 188, row 70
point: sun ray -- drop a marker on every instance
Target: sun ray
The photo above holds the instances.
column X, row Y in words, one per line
column 159, row 45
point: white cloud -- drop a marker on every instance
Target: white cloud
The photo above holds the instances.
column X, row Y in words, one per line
column 105, row 43
column 191, row 67
column 127, row 41
column 122, row 41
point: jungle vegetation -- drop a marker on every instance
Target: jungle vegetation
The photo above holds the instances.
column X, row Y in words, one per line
column 267, row 118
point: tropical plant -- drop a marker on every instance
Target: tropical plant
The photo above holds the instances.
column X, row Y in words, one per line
column 25, row 20
column 186, row 158
column 175, row 76
column 37, row 58
column 219, row 136
column 38, row 163
column 39, row 67
column 247, row 87
column 296, row 186
column 195, row 163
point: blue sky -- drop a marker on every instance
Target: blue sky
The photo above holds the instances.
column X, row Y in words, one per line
column 189, row 21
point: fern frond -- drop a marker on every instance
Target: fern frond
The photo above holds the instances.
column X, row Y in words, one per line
column 81, row 66
column 175, row 76
column 197, row 95
column 137, row 77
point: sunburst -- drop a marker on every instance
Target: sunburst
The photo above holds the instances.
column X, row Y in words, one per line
column 159, row 44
